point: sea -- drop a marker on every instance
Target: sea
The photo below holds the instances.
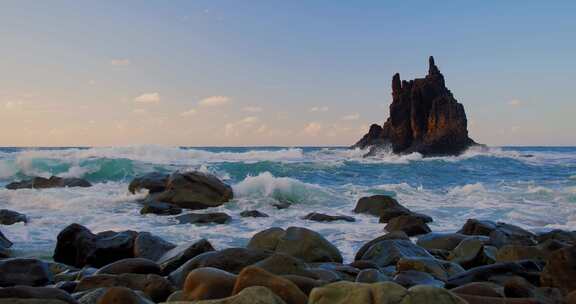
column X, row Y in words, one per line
column 532, row 187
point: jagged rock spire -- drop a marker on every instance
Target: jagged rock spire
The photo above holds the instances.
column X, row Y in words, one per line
column 396, row 84
column 432, row 68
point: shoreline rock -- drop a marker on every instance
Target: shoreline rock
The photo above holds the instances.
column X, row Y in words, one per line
column 52, row 182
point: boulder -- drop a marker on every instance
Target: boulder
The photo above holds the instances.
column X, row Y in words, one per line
column 298, row 242
column 181, row 254
column 560, row 270
column 250, row 295
column 159, row 208
column 383, row 206
column 424, row 117
column 344, row 292
column 371, row 276
column 52, row 182
column 388, row 252
column 319, row 217
column 430, row 294
column 195, row 190
column 154, row 286
column 253, row 213
column 285, row 289
column 232, row 260
column 77, row 246
column 40, row 293
column 284, row 264
column 500, row 233
column 440, row 270
column 568, row 237
column 396, row 235
column 208, row 283
column 204, row 218
column 409, row 224
column 472, row 252
column 305, row 284
column 441, row 241
column 122, row 295
column 4, row 241
column 511, row 253
column 527, row 270
column 411, row 278
column 153, row 182
column 149, row 246
column 485, row 289
column 9, row 217
column 24, row 271
column 131, row 265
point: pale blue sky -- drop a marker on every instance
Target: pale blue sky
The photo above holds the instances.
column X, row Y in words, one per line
column 277, row 72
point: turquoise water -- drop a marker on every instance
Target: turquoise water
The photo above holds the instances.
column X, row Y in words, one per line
column 533, row 187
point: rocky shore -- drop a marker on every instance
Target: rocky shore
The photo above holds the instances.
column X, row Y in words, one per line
column 483, row 262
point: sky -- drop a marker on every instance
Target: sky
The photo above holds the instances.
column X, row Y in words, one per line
column 287, row 73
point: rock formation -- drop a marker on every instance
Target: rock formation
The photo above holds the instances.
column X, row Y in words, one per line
column 424, row 117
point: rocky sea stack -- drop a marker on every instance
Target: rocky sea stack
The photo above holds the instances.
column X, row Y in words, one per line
column 424, row 117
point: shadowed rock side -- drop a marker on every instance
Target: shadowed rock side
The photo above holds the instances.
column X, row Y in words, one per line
column 424, row 117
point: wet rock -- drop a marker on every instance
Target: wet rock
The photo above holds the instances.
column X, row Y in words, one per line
column 472, row 252
column 204, row 218
column 208, row 283
column 518, row 287
column 9, row 217
column 159, row 208
column 500, row 233
column 298, row 242
column 431, row 294
column 77, row 246
column 24, row 271
column 122, row 295
column 250, row 295
column 347, row 292
column 344, row 272
column 485, row 289
column 383, row 206
column 52, row 182
column 486, row 273
column 568, row 237
column 232, row 260
column 67, row 286
column 40, row 293
column 282, row 205
column 409, row 224
column 424, row 117
column 132, row 265
column 154, row 182
column 284, row 264
column 195, row 190
column 253, row 213
column 181, row 254
column 154, row 286
column 319, row 217
column 511, row 253
column 305, row 284
column 361, row 264
column 388, row 252
column 440, row 270
column 149, row 246
column 5, row 244
column 371, row 276
column 560, row 270
column 411, row 278
column 442, row 241
column 285, row 289
column 395, row 235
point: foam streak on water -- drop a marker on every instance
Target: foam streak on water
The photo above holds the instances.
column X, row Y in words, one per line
column 532, row 187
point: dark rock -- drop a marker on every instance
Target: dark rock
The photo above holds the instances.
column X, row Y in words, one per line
column 195, row 190
column 41, row 293
column 208, row 283
column 485, row 289
column 122, row 295
column 151, row 247
column 67, row 286
column 411, row 278
column 442, row 241
column 4, row 241
column 371, row 276
column 560, row 270
column 473, row 252
column 284, row 264
column 511, row 253
column 441, row 270
column 285, row 289
column 361, row 264
column 568, row 237
column 9, row 217
column 232, row 260
column 132, row 265
column 23, row 271
column 52, row 182
column 424, row 117
column 319, row 217
column 485, row 273
column 396, row 235
column 253, row 213
column 409, row 224
column 77, row 246
column 154, row 182
column 154, row 286
column 518, row 287
column 159, row 208
column 181, row 254
column 204, row 218
column 380, row 205
column 305, row 284
column 282, row 205
column 298, row 242
column 500, row 233
column 388, row 252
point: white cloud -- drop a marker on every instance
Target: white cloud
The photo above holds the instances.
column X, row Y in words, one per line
column 249, row 120
column 515, row 102
column 148, row 98
column 313, row 128
column 188, row 113
column 214, row 101
column 354, row 116
column 120, row 62
column 318, row 109
column 244, row 125
column 252, row 109
column 9, row 105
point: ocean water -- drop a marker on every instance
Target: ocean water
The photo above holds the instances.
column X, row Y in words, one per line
column 533, row 187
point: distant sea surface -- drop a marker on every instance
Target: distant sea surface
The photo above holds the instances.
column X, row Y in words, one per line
column 533, row 187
